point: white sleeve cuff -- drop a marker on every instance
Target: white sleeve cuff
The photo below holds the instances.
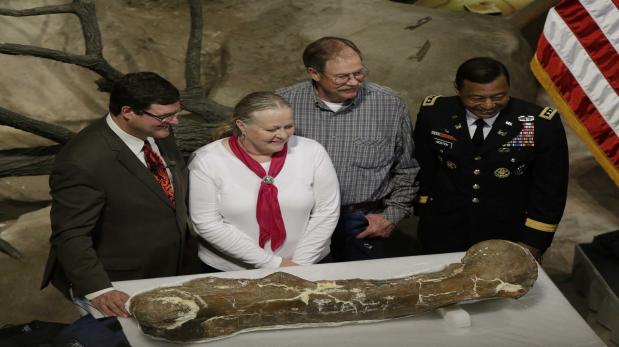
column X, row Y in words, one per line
column 97, row 293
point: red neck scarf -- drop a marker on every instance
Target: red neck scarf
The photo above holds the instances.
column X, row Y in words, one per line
column 268, row 213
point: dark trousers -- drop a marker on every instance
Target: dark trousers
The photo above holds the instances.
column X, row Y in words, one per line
column 344, row 245
column 207, row 269
column 458, row 232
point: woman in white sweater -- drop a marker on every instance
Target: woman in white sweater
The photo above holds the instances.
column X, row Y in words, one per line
column 262, row 197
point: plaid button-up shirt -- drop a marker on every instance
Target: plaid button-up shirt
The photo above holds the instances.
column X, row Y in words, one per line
column 369, row 140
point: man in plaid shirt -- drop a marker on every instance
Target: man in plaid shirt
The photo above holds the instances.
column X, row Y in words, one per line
column 367, row 131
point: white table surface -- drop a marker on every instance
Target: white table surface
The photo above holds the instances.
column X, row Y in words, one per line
column 543, row 317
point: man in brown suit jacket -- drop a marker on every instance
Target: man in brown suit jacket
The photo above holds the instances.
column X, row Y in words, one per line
column 111, row 218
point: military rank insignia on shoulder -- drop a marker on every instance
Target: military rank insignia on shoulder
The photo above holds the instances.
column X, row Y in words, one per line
column 548, row 113
column 430, row 100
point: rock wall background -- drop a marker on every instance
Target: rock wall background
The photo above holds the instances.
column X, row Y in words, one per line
column 248, row 46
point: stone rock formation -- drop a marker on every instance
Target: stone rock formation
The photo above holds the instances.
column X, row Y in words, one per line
column 210, row 307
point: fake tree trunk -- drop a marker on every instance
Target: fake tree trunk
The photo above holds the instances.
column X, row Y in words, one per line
column 193, row 132
column 214, row 307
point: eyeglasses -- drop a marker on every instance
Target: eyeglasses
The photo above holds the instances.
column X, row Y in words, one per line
column 164, row 118
column 345, row 77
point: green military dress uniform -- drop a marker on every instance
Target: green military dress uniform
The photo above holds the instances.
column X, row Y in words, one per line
column 512, row 187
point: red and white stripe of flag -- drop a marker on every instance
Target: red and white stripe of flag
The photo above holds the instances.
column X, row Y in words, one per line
column 577, row 63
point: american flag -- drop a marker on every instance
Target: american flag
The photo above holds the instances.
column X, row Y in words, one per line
column 577, row 63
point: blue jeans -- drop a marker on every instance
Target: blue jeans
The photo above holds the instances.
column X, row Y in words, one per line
column 344, row 244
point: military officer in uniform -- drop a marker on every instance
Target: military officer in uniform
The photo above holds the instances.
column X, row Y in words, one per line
column 492, row 166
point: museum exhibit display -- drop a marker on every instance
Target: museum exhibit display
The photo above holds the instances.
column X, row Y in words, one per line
column 213, row 307
column 58, row 54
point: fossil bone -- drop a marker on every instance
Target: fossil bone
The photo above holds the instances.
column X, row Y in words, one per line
column 210, row 307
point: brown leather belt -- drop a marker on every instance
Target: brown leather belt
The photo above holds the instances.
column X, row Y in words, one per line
column 368, row 205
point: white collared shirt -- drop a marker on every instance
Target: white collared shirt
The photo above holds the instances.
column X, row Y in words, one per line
column 136, row 144
column 470, row 121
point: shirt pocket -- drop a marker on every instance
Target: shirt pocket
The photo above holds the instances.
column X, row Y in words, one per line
column 441, row 145
column 372, row 152
column 518, row 160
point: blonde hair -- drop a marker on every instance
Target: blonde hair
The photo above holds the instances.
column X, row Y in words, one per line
column 244, row 111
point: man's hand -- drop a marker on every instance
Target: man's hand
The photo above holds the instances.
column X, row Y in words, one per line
column 536, row 253
column 379, row 227
column 287, row 262
column 112, row 303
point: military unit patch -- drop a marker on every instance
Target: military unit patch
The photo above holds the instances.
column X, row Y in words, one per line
column 548, row 113
column 525, row 138
column 430, row 100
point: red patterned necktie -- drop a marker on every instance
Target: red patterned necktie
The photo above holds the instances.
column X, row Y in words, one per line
column 155, row 165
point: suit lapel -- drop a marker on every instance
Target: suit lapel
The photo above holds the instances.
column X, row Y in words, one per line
column 133, row 164
column 456, row 124
column 175, row 164
column 179, row 180
column 170, row 162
